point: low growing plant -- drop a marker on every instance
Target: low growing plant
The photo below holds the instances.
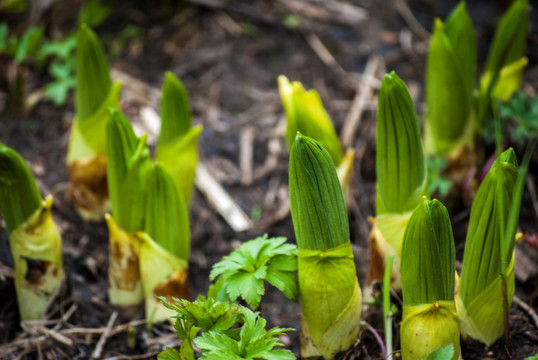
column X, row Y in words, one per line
column 305, row 113
column 87, row 148
column 429, row 319
column 34, row 239
column 177, row 144
column 330, row 293
column 242, row 273
column 401, row 175
column 456, row 111
column 220, row 339
column 488, row 255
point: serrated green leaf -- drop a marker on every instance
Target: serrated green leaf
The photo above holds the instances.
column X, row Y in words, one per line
column 19, row 194
column 317, row 205
column 244, row 284
column 482, row 258
column 169, row 354
column 166, row 217
column 175, row 110
column 256, row 260
column 305, row 113
column 448, row 96
column 400, row 163
column 92, row 73
column 428, row 255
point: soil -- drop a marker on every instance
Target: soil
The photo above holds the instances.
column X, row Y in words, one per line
column 229, row 54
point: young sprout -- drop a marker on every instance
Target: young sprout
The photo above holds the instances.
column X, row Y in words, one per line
column 176, row 148
column 450, row 80
column 165, row 245
column 34, row 239
column 129, row 164
column 401, row 174
column 506, row 60
column 330, row 294
column 87, row 148
column 429, row 319
column 305, row 113
column 488, row 254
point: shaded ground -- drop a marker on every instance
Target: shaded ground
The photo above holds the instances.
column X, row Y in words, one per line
column 229, row 54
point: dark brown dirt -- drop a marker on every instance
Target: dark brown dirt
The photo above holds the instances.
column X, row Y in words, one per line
column 229, row 54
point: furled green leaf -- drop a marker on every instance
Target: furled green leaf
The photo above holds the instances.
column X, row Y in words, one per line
column 305, row 113
column 128, row 167
column 317, row 205
column 92, row 72
column 487, row 225
column 448, row 96
column 460, row 33
column 508, row 43
column 400, row 163
column 180, row 158
column 166, row 216
column 19, row 195
column 175, row 110
column 245, row 269
column 428, row 255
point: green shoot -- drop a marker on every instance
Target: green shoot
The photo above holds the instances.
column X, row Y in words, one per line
column 387, row 311
column 443, row 353
column 220, row 339
column 245, row 270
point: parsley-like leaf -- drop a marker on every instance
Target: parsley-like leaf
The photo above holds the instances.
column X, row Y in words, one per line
column 245, row 269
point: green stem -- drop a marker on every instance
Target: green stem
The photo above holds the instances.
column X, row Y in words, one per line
column 387, row 313
column 507, row 339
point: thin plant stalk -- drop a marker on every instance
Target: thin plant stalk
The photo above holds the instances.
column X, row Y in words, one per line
column 387, row 313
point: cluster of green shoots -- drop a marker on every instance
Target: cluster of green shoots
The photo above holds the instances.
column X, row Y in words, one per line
column 417, row 232
column 459, row 108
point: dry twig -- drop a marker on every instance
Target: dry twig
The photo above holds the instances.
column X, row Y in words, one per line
column 102, row 340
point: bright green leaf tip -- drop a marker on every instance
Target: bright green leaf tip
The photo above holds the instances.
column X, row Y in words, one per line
column 92, row 74
column 428, row 255
column 400, row 162
column 175, row 110
column 317, row 204
column 19, row 195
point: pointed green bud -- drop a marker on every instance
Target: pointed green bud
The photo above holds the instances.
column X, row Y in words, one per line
column 400, row 162
column 166, row 216
column 317, row 205
column 175, row 110
column 483, row 256
column 19, row 195
column 305, row 113
column 92, row 74
column 129, row 164
column 450, row 76
column 508, row 43
column 428, row 255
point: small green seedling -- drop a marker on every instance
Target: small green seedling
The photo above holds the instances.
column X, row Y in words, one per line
column 220, row 339
column 242, row 273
